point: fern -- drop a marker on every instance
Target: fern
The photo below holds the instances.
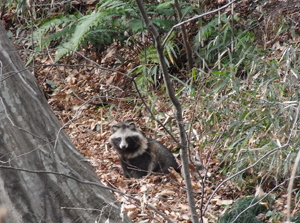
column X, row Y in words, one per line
column 52, row 29
column 85, row 24
column 107, row 22
column 99, row 27
column 48, row 31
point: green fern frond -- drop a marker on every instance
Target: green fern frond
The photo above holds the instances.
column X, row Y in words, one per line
column 52, row 29
column 48, row 31
column 163, row 24
column 108, row 22
column 83, row 27
column 117, row 7
column 151, row 53
column 113, row 5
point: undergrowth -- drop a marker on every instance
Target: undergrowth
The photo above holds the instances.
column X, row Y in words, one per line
column 249, row 216
column 111, row 20
column 243, row 91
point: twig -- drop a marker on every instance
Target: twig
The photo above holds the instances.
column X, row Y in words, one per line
column 293, row 174
column 137, row 89
column 290, row 187
column 89, row 183
column 257, row 202
column 18, row 127
column 203, row 179
column 71, row 120
column 255, row 163
column 194, row 18
column 178, row 112
column 189, row 51
column 8, row 75
column 241, row 171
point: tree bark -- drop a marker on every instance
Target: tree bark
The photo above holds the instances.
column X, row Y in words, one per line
column 43, row 178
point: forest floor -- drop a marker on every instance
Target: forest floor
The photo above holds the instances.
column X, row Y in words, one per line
column 90, row 128
column 89, row 99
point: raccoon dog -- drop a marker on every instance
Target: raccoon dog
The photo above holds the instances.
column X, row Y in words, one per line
column 139, row 155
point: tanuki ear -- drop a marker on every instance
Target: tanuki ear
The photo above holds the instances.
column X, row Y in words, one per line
column 132, row 126
column 114, row 126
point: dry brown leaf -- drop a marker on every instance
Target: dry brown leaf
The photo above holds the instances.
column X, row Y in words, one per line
column 166, row 193
column 71, row 80
column 224, row 202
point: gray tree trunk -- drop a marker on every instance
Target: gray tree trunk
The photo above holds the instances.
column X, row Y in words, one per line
column 43, row 178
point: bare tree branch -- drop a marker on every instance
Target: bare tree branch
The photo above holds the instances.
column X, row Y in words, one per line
column 294, row 170
column 86, row 182
column 257, row 202
column 241, row 171
column 137, row 89
column 178, row 112
column 194, row 18
column 97, row 66
column 187, row 45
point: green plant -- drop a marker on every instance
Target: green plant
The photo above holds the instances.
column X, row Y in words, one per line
column 149, row 71
column 296, row 218
column 249, row 216
column 221, row 45
column 255, row 119
column 100, row 27
column 248, row 99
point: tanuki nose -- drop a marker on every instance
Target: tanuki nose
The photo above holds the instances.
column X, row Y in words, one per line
column 123, row 147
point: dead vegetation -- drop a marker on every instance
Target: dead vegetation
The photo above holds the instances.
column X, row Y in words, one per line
column 77, row 89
